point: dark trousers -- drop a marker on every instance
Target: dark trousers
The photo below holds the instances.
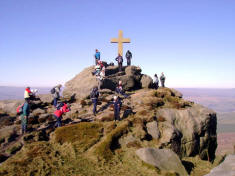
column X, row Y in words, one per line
column 120, row 66
column 116, row 114
column 58, row 121
column 94, row 101
column 128, row 62
column 163, row 83
column 24, row 127
column 155, row 85
column 55, row 101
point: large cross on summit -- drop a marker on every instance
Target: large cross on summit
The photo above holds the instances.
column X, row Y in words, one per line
column 120, row 40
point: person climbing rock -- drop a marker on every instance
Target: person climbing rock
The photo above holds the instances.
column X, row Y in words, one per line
column 162, row 79
column 155, row 82
column 119, row 89
column 27, row 93
column 94, row 97
column 59, row 113
column 128, row 57
column 117, row 107
column 55, row 91
column 97, row 56
column 25, row 115
column 119, row 59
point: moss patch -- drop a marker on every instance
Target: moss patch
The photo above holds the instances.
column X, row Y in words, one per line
column 82, row 135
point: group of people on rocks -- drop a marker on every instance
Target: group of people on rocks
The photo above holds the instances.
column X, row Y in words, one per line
column 61, row 107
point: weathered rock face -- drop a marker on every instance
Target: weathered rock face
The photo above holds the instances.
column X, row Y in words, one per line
column 82, row 83
column 146, row 81
column 226, row 168
column 193, row 130
column 164, row 159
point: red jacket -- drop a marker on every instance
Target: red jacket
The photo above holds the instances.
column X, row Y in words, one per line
column 61, row 111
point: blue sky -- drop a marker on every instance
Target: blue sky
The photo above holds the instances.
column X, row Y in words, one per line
column 46, row 42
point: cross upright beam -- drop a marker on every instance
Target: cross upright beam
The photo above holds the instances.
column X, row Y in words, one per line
column 120, row 40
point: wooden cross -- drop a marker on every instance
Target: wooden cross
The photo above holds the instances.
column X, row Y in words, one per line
column 120, row 40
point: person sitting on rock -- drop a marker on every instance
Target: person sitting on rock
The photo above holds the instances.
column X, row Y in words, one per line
column 155, row 82
column 59, row 112
column 128, row 57
column 119, row 59
column 28, row 94
column 117, row 107
column 99, row 66
column 97, row 56
column 94, row 97
column 162, row 79
column 56, row 94
column 25, row 115
column 119, row 89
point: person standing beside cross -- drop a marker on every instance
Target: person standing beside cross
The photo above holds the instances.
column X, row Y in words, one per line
column 119, row 59
column 128, row 57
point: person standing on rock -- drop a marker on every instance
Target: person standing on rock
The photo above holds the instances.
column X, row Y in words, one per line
column 97, row 56
column 117, row 107
column 100, row 77
column 155, row 82
column 128, row 57
column 59, row 112
column 119, row 59
column 25, row 115
column 162, row 79
column 94, row 97
column 27, row 93
column 56, row 94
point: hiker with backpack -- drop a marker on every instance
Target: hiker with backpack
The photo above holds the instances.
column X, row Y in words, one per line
column 117, row 107
column 99, row 66
column 55, row 91
column 27, row 93
column 94, row 97
column 61, row 109
column 97, row 56
column 128, row 57
column 119, row 89
column 119, row 59
column 25, row 110
column 162, row 79
column 155, row 82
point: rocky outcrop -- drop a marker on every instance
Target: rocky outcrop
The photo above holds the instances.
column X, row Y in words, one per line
column 164, row 159
column 82, row 83
column 226, row 168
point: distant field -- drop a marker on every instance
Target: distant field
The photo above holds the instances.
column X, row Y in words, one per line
column 16, row 93
column 220, row 100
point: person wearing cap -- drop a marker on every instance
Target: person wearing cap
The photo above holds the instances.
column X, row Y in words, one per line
column 117, row 107
column 56, row 95
column 59, row 112
column 27, row 93
column 97, row 56
column 25, row 115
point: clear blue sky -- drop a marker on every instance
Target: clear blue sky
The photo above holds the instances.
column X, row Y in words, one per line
column 46, row 42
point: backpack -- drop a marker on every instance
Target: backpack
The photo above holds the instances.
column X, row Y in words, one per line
column 19, row 109
column 53, row 90
column 60, row 105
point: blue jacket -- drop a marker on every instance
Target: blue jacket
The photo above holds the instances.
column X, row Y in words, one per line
column 97, row 55
column 117, row 104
